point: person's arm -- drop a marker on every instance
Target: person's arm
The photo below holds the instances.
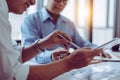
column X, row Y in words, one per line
column 80, row 58
column 47, row 71
column 48, row 42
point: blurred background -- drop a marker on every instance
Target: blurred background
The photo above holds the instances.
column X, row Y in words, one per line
column 96, row 20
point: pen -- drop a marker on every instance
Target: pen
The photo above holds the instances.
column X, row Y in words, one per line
column 76, row 46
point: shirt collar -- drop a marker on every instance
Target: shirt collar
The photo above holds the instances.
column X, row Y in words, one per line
column 46, row 16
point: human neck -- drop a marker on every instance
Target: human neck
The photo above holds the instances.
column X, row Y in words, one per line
column 54, row 17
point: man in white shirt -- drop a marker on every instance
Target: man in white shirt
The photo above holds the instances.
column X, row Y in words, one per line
column 11, row 60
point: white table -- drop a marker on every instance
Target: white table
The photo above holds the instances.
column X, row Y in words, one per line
column 100, row 71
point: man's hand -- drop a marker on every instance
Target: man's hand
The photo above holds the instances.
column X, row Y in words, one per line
column 53, row 39
column 81, row 57
column 104, row 55
column 59, row 53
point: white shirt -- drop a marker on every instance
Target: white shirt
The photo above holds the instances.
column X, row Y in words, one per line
column 11, row 68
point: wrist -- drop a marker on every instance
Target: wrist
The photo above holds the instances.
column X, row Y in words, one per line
column 68, row 64
column 64, row 65
column 43, row 43
column 37, row 46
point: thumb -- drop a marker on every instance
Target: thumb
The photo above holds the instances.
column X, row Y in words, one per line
column 96, row 52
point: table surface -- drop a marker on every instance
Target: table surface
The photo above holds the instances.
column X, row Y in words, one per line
column 99, row 71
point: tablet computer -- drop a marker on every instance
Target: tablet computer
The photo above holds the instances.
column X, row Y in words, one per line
column 109, row 44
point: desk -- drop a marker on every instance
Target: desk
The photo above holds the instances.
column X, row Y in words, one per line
column 100, row 71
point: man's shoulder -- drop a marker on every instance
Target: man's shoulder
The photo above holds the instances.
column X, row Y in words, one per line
column 66, row 19
column 34, row 15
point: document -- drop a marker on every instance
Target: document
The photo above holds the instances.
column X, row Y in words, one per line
column 101, row 71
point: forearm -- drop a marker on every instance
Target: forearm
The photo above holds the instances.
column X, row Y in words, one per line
column 31, row 51
column 48, row 71
column 28, row 53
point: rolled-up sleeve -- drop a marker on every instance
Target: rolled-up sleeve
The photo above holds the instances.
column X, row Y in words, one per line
column 10, row 66
column 11, row 63
column 21, row 72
